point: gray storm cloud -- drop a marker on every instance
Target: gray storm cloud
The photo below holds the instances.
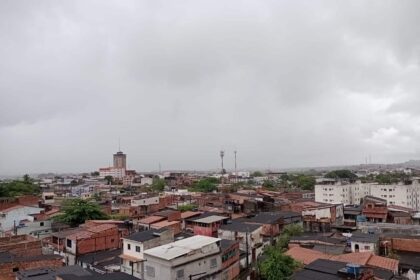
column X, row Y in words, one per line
column 286, row 83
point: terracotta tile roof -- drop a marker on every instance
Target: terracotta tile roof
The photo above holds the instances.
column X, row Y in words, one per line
column 101, row 228
column 80, row 235
column 305, row 256
column 189, row 214
column 151, row 220
column 164, row 224
column 382, row 262
column 358, row 258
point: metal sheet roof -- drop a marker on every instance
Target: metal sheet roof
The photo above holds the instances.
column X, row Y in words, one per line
column 182, row 247
column 211, row 219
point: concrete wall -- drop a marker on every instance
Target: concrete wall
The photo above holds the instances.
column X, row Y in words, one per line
column 9, row 218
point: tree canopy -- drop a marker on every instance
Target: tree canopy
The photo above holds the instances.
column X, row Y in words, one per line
column 269, row 184
column 205, row 185
column 77, row 211
column 19, row 187
column 257, row 174
column 109, row 179
column 186, row 207
column 158, row 184
column 341, row 174
column 277, row 265
column 304, row 182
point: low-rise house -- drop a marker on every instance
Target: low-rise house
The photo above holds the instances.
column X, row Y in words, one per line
column 135, row 245
column 74, row 272
column 187, row 215
column 145, row 223
column 83, row 240
column 13, row 217
column 48, row 197
column 22, row 252
column 229, row 259
column 273, row 222
column 322, row 217
column 92, row 239
column 51, row 273
column 364, row 242
column 351, row 213
column 322, row 243
column 329, row 269
column 206, row 223
column 101, row 262
column 175, row 226
column 248, row 236
column 191, row 257
column 374, row 209
column 308, row 256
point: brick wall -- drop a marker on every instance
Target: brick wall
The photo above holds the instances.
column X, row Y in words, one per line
column 109, row 239
column 7, row 273
column 21, row 245
column 409, row 245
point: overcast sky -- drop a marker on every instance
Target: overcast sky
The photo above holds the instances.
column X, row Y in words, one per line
column 286, row 83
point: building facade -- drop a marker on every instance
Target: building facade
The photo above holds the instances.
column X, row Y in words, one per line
column 394, row 194
column 120, row 160
column 185, row 259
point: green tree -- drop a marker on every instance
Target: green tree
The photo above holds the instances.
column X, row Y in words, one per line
column 94, row 173
column 27, row 179
column 19, row 187
column 288, row 232
column 77, row 211
column 269, row 184
column 186, row 207
column 205, row 185
column 158, row 184
column 109, row 179
column 257, row 174
column 341, row 174
column 293, row 230
column 305, row 182
column 276, row 265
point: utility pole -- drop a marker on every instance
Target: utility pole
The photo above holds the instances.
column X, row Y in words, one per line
column 236, row 171
column 222, row 154
column 247, row 250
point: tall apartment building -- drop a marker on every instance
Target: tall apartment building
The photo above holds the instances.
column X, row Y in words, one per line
column 120, row 160
column 118, row 173
column 394, row 194
column 345, row 194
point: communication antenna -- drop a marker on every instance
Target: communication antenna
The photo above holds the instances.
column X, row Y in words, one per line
column 236, row 171
column 222, row 154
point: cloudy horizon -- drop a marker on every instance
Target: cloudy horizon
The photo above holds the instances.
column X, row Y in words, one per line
column 285, row 83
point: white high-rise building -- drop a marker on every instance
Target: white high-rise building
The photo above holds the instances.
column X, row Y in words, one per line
column 345, row 194
column 395, row 194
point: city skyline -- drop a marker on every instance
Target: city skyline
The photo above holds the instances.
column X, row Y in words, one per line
column 286, row 84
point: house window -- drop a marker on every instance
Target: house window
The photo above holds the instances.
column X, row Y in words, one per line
column 180, row 274
column 150, row 271
column 128, row 246
column 41, row 224
column 367, row 247
column 213, row 263
column 15, row 269
column 137, row 249
column 69, row 243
